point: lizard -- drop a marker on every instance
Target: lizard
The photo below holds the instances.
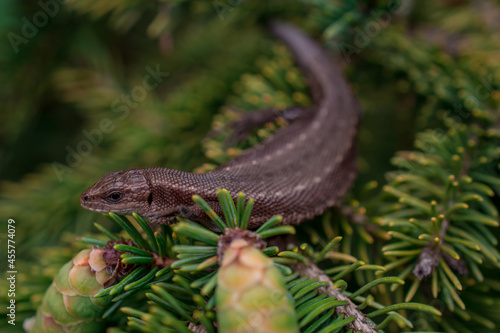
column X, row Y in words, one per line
column 299, row 172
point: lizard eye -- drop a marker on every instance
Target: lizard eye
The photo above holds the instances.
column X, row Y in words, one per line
column 115, row 196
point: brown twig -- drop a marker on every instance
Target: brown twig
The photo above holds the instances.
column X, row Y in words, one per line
column 361, row 323
column 197, row 328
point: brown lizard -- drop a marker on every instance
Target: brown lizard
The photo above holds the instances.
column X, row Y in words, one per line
column 299, row 172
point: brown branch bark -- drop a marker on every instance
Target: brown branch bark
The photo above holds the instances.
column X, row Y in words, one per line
column 361, row 323
column 197, row 328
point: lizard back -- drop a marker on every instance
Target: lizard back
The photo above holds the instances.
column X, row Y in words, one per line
column 308, row 166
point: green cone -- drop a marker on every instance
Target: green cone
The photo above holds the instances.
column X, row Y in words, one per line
column 68, row 304
column 251, row 294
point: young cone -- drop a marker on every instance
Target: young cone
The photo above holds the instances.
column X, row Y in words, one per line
column 251, row 294
column 69, row 304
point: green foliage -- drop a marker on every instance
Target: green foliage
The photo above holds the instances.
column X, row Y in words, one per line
column 441, row 221
column 181, row 292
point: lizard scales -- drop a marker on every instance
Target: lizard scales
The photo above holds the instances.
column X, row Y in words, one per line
column 299, row 172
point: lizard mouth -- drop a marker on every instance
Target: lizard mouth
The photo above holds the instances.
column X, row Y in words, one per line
column 87, row 203
column 96, row 209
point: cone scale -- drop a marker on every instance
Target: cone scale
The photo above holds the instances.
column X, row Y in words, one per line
column 69, row 304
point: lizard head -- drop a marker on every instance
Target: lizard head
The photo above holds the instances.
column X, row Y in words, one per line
column 121, row 192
